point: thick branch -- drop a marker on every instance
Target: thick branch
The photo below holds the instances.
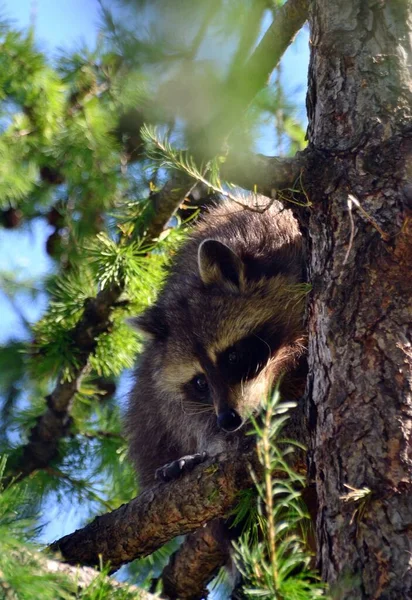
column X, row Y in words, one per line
column 196, row 562
column 264, row 174
column 287, row 22
column 202, row 553
column 166, row 201
column 165, row 511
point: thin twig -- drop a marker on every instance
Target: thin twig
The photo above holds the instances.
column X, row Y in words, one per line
column 354, row 202
column 352, row 229
column 369, row 218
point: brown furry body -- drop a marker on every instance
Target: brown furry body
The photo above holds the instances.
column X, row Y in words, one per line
column 230, row 314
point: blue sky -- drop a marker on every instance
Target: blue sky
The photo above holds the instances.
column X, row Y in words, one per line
column 57, row 22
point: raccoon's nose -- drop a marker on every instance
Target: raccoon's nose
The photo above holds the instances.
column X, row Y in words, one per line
column 229, row 420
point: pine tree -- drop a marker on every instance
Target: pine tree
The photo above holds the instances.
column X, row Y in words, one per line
column 116, row 148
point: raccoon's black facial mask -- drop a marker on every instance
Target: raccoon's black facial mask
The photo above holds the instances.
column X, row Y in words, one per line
column 244, row 360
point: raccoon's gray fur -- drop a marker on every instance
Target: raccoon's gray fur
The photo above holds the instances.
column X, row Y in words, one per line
column 226, row 325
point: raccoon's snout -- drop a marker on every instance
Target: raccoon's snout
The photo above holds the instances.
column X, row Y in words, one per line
column 229, row 420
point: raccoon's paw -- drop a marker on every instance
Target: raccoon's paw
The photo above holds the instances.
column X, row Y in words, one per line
column 174, row 469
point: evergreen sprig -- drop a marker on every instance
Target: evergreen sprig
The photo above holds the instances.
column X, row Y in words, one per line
column 161, row 151
column 25, row 573
column 20, row 575
column 117, row 262
column 273, row 560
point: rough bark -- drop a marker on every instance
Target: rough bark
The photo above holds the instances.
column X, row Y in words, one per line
column 360, row 314
column 195, row 564
column 161, row 513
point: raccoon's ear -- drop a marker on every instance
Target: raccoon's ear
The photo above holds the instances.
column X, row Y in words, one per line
column 151, row 322
column 218, row 264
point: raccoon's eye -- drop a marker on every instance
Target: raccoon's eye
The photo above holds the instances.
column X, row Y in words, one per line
column 233, row 357
column 200, row 383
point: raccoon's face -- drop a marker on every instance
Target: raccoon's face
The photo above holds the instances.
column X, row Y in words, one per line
column 222, row 340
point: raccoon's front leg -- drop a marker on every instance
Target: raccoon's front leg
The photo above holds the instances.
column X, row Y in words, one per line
column 174, row 469
column 209, row 444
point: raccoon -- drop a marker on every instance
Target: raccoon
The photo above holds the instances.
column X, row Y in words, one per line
column 225, row 327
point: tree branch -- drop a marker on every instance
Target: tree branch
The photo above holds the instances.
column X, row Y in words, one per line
column 264, row 174
column 202, row 553
column 54, row 423
column 166, row 201
column 161, row 513
column 195, row 563
column 287, row 21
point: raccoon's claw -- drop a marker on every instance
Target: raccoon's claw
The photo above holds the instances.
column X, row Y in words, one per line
column 184, row 464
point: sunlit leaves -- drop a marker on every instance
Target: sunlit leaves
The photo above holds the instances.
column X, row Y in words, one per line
column 116, row 350
column 116, row 263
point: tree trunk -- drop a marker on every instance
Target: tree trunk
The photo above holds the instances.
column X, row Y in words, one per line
column 360, row 315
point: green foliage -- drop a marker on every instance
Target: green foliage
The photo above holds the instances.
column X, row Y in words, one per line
column 20, row 572
column 24, row 572
column 120, row 263
column 273, row 559
column 101, row 588
column 160, row 150
column 17, row 178
column 125, row 263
